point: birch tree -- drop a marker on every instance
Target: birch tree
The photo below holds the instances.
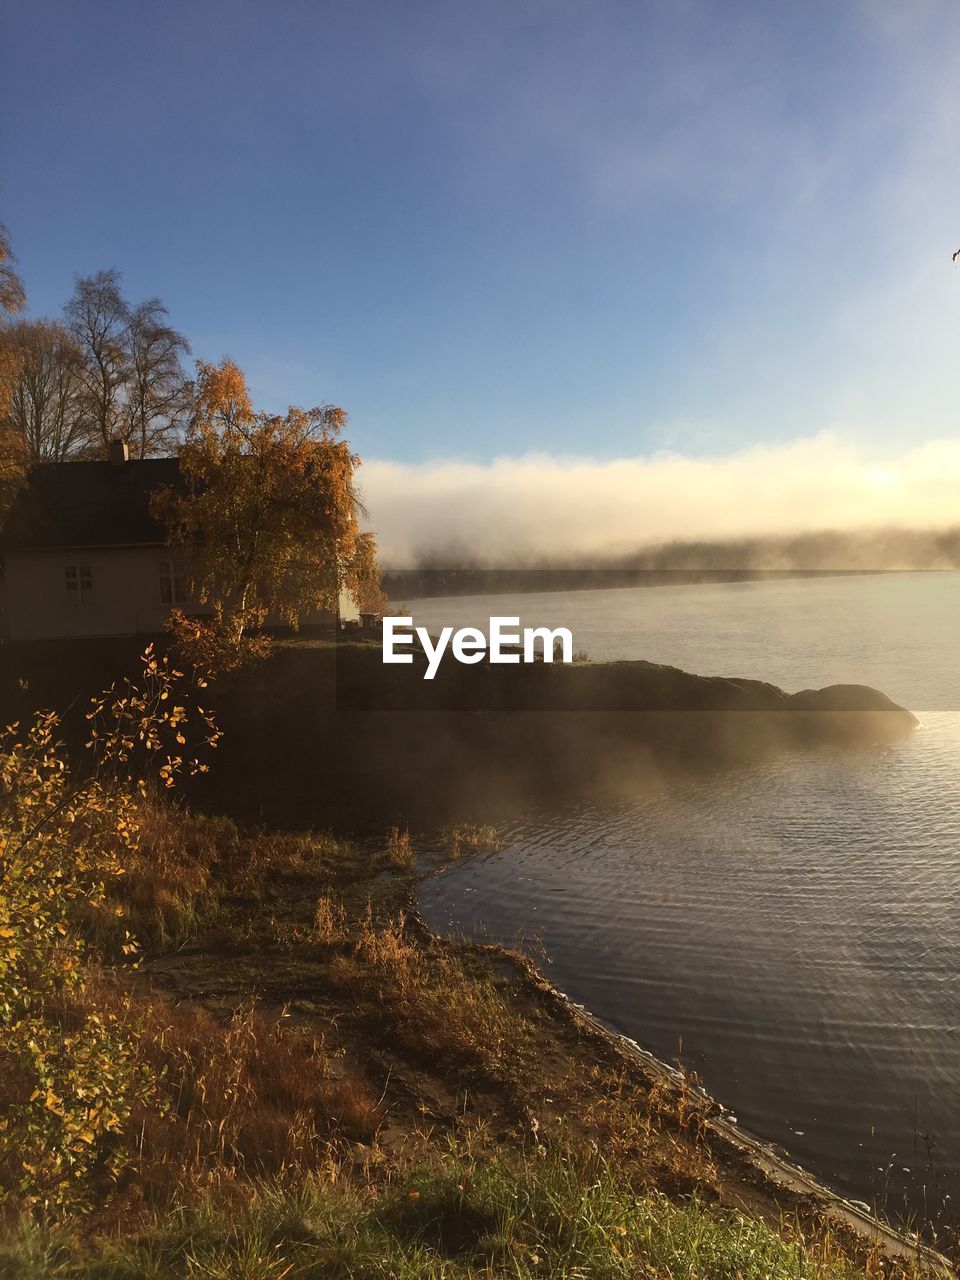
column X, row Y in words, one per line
column 269, row 509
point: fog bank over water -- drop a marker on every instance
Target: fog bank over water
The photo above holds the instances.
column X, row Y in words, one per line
column 816, row 503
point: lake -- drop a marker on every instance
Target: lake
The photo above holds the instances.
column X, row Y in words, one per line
column 791, row 930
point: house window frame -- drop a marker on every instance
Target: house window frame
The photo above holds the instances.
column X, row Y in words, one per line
column 78, row 584
column 174, row 582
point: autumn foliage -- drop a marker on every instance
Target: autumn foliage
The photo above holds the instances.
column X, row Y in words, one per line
column 269, row 511
column 69, row 1068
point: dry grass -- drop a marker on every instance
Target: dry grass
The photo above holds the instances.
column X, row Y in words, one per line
column 430, row 1003
column 169, row 887
column 189, row 871
column 472, row 838
column 263, row 859
column 253, row 1097
column 246, row 1099
column 329, row 920
column 654, row 1130
column 398, row 849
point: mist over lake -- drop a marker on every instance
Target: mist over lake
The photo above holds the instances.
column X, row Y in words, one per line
column 791, row 927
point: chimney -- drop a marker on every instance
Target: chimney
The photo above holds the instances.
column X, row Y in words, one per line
column 119, row 453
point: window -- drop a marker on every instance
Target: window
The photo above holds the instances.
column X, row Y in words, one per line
column 78, row 579
column 173, row 582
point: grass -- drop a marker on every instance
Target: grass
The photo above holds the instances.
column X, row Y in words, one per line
column 428, row 1001
column 241, row 1100
column 529, row 1216
column 191, row 872
column 170, row 887
column 329, row 920
column 250, row 1099
column 473, row 838
column 399, row 850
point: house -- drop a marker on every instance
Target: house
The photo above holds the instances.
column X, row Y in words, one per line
column 83, row 555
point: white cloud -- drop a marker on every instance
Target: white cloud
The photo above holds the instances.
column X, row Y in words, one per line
column 521, row 509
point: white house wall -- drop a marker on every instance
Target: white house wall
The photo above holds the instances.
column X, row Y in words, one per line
column 348, row 609
column 124, row 600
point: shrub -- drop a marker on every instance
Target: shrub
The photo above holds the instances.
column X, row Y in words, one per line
column 69, row 1071
column 215, row 645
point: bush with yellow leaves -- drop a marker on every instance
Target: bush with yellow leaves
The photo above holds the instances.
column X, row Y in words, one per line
column 218, row 645
column 69, row 1075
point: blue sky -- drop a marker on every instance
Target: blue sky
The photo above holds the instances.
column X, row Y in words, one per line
column 596, row 229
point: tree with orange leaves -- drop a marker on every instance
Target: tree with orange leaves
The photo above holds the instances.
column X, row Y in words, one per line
column 269, row 511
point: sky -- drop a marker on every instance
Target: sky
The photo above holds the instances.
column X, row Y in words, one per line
column 582, row 233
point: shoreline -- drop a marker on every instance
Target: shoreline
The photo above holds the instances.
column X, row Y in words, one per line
column 744, row 1152
column 764, row 1157
column 750, row 1176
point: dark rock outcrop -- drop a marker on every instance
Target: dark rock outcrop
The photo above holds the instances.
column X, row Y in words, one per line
column 323, row 734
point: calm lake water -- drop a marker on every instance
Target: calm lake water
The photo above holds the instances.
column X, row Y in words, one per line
column 792, row 929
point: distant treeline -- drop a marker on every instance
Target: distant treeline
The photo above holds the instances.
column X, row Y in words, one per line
column 828, row 552
column 402, row 584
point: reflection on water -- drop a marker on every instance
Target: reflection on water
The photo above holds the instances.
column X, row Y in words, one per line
column 795, row 925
